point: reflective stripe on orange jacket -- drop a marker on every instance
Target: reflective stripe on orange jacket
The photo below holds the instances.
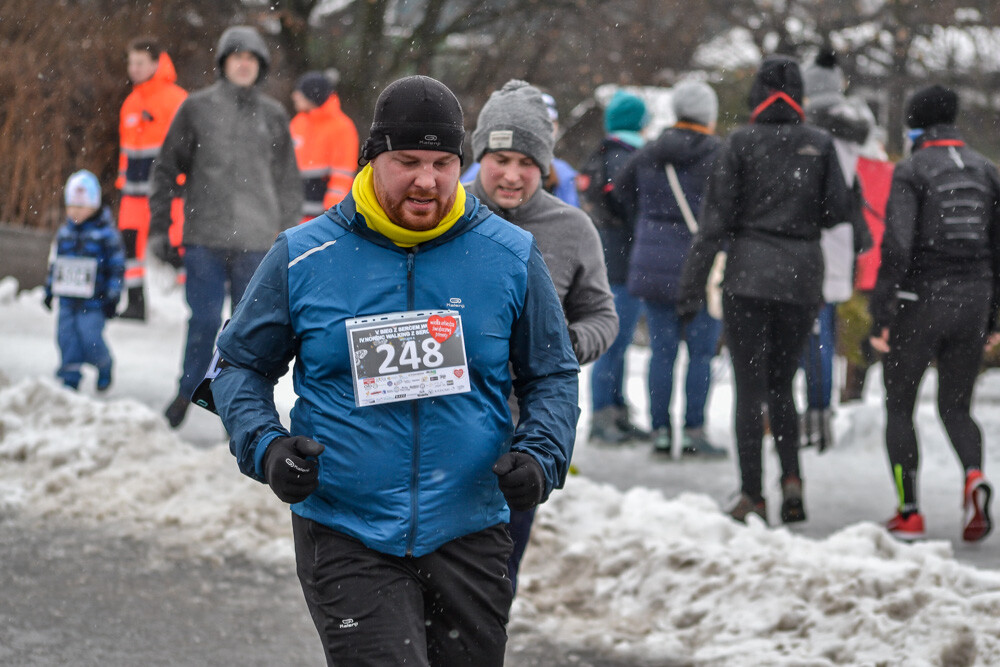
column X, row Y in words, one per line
column 326, row 149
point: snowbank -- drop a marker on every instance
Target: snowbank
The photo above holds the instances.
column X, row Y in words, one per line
column 631, row 573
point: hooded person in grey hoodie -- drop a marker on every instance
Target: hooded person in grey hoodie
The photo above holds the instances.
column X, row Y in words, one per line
column 513, row 142
column 242, row 188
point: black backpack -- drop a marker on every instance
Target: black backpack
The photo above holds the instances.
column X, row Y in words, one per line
column 595, row 184
column 957, row 208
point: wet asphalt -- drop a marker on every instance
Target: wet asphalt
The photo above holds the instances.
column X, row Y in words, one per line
column 88, row 597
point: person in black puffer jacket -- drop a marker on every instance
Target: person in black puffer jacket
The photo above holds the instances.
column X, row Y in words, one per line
column 776, row 184
column 936, row 299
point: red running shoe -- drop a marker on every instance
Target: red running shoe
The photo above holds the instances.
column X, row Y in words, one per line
column 976, row 504
column 906, row 528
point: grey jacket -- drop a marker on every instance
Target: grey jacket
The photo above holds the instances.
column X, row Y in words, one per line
column 243, row 185
column 573, row 254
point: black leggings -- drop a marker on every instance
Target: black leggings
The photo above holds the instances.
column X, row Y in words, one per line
column 953, row 333
column 765, row 339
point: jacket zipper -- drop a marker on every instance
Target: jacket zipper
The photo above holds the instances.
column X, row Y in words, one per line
column 415, row 419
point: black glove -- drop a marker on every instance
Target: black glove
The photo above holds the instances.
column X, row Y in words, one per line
column 47, row 302
column 110, row 309
column 686, row 309
column 521, row 480
column 159, row 246
column 288, row 473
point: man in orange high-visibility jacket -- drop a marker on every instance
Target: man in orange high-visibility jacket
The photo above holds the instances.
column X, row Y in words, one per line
column 145, row 118
column 326, row 144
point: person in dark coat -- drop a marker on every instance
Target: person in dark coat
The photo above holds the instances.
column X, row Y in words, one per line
column 624, row 118
column 776, row 184
column 242, row 188
column 936, row 299
column 663, row 236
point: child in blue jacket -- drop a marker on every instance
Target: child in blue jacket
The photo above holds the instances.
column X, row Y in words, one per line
column 86, row 268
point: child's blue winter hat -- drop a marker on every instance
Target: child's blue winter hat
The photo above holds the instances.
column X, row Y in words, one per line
column 625, row 112
column 83, row 189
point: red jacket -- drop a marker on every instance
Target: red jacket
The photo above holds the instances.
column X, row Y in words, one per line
column 875, row 177
column 145, row 118
column 326, row 148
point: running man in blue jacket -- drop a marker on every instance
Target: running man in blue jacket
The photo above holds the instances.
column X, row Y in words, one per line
column 411, row 311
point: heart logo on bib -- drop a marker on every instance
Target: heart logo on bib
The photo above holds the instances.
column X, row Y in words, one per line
column 441, row 328
column 458, row 372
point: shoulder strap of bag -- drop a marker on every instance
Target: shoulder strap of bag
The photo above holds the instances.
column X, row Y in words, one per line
column 682, row 201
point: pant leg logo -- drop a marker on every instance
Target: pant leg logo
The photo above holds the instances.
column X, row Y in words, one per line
column 348, row 623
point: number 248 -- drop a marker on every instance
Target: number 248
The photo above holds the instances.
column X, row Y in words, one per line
column 431, row 358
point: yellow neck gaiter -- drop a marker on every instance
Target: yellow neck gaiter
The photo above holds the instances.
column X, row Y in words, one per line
column 368, row 206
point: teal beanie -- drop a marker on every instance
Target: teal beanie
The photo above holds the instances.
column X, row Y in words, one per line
column 625, row 112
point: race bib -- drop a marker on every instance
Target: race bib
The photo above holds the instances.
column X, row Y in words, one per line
column 74, row 277
column 407, row 355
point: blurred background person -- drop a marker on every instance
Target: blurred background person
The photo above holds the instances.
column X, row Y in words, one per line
column 144, row 120
column 661, row 189
column 776, row 184
column 242, row 188
column 937, row 299
column 326, row 143
column 849, row 121
column 624, row 119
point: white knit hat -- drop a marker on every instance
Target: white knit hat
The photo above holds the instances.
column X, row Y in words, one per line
column 83, row 189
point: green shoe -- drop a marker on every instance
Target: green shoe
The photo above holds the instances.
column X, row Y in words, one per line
column 663, row 441
column 695, row 443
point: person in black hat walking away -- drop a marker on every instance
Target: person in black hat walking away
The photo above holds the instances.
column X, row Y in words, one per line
column 231, row 142
column 411, row 312
column 936, row 299
column 776, row 184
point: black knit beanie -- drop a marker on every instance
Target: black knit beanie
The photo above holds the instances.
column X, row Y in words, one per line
column 415, row 113
column 316, row 87
column 933, row 105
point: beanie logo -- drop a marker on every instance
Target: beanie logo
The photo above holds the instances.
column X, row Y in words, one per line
column 431, row 138
column 500, row 140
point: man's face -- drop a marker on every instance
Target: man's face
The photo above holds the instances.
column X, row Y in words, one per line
column 509, row 178
column 141, row 66
column 416, row 188
column 241, row 68
column 301, row 102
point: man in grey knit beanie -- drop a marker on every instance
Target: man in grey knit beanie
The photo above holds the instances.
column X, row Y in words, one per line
column 515, row 118
column 513, row 143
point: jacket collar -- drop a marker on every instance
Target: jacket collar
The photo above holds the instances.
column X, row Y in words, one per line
column 345, row 214
column 937, row 133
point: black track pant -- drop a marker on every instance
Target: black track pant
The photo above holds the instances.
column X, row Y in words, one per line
column 765, row 339
column 447, row 608
column 953, row 333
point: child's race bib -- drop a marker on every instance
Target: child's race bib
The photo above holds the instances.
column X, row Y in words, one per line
column 74, row 277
